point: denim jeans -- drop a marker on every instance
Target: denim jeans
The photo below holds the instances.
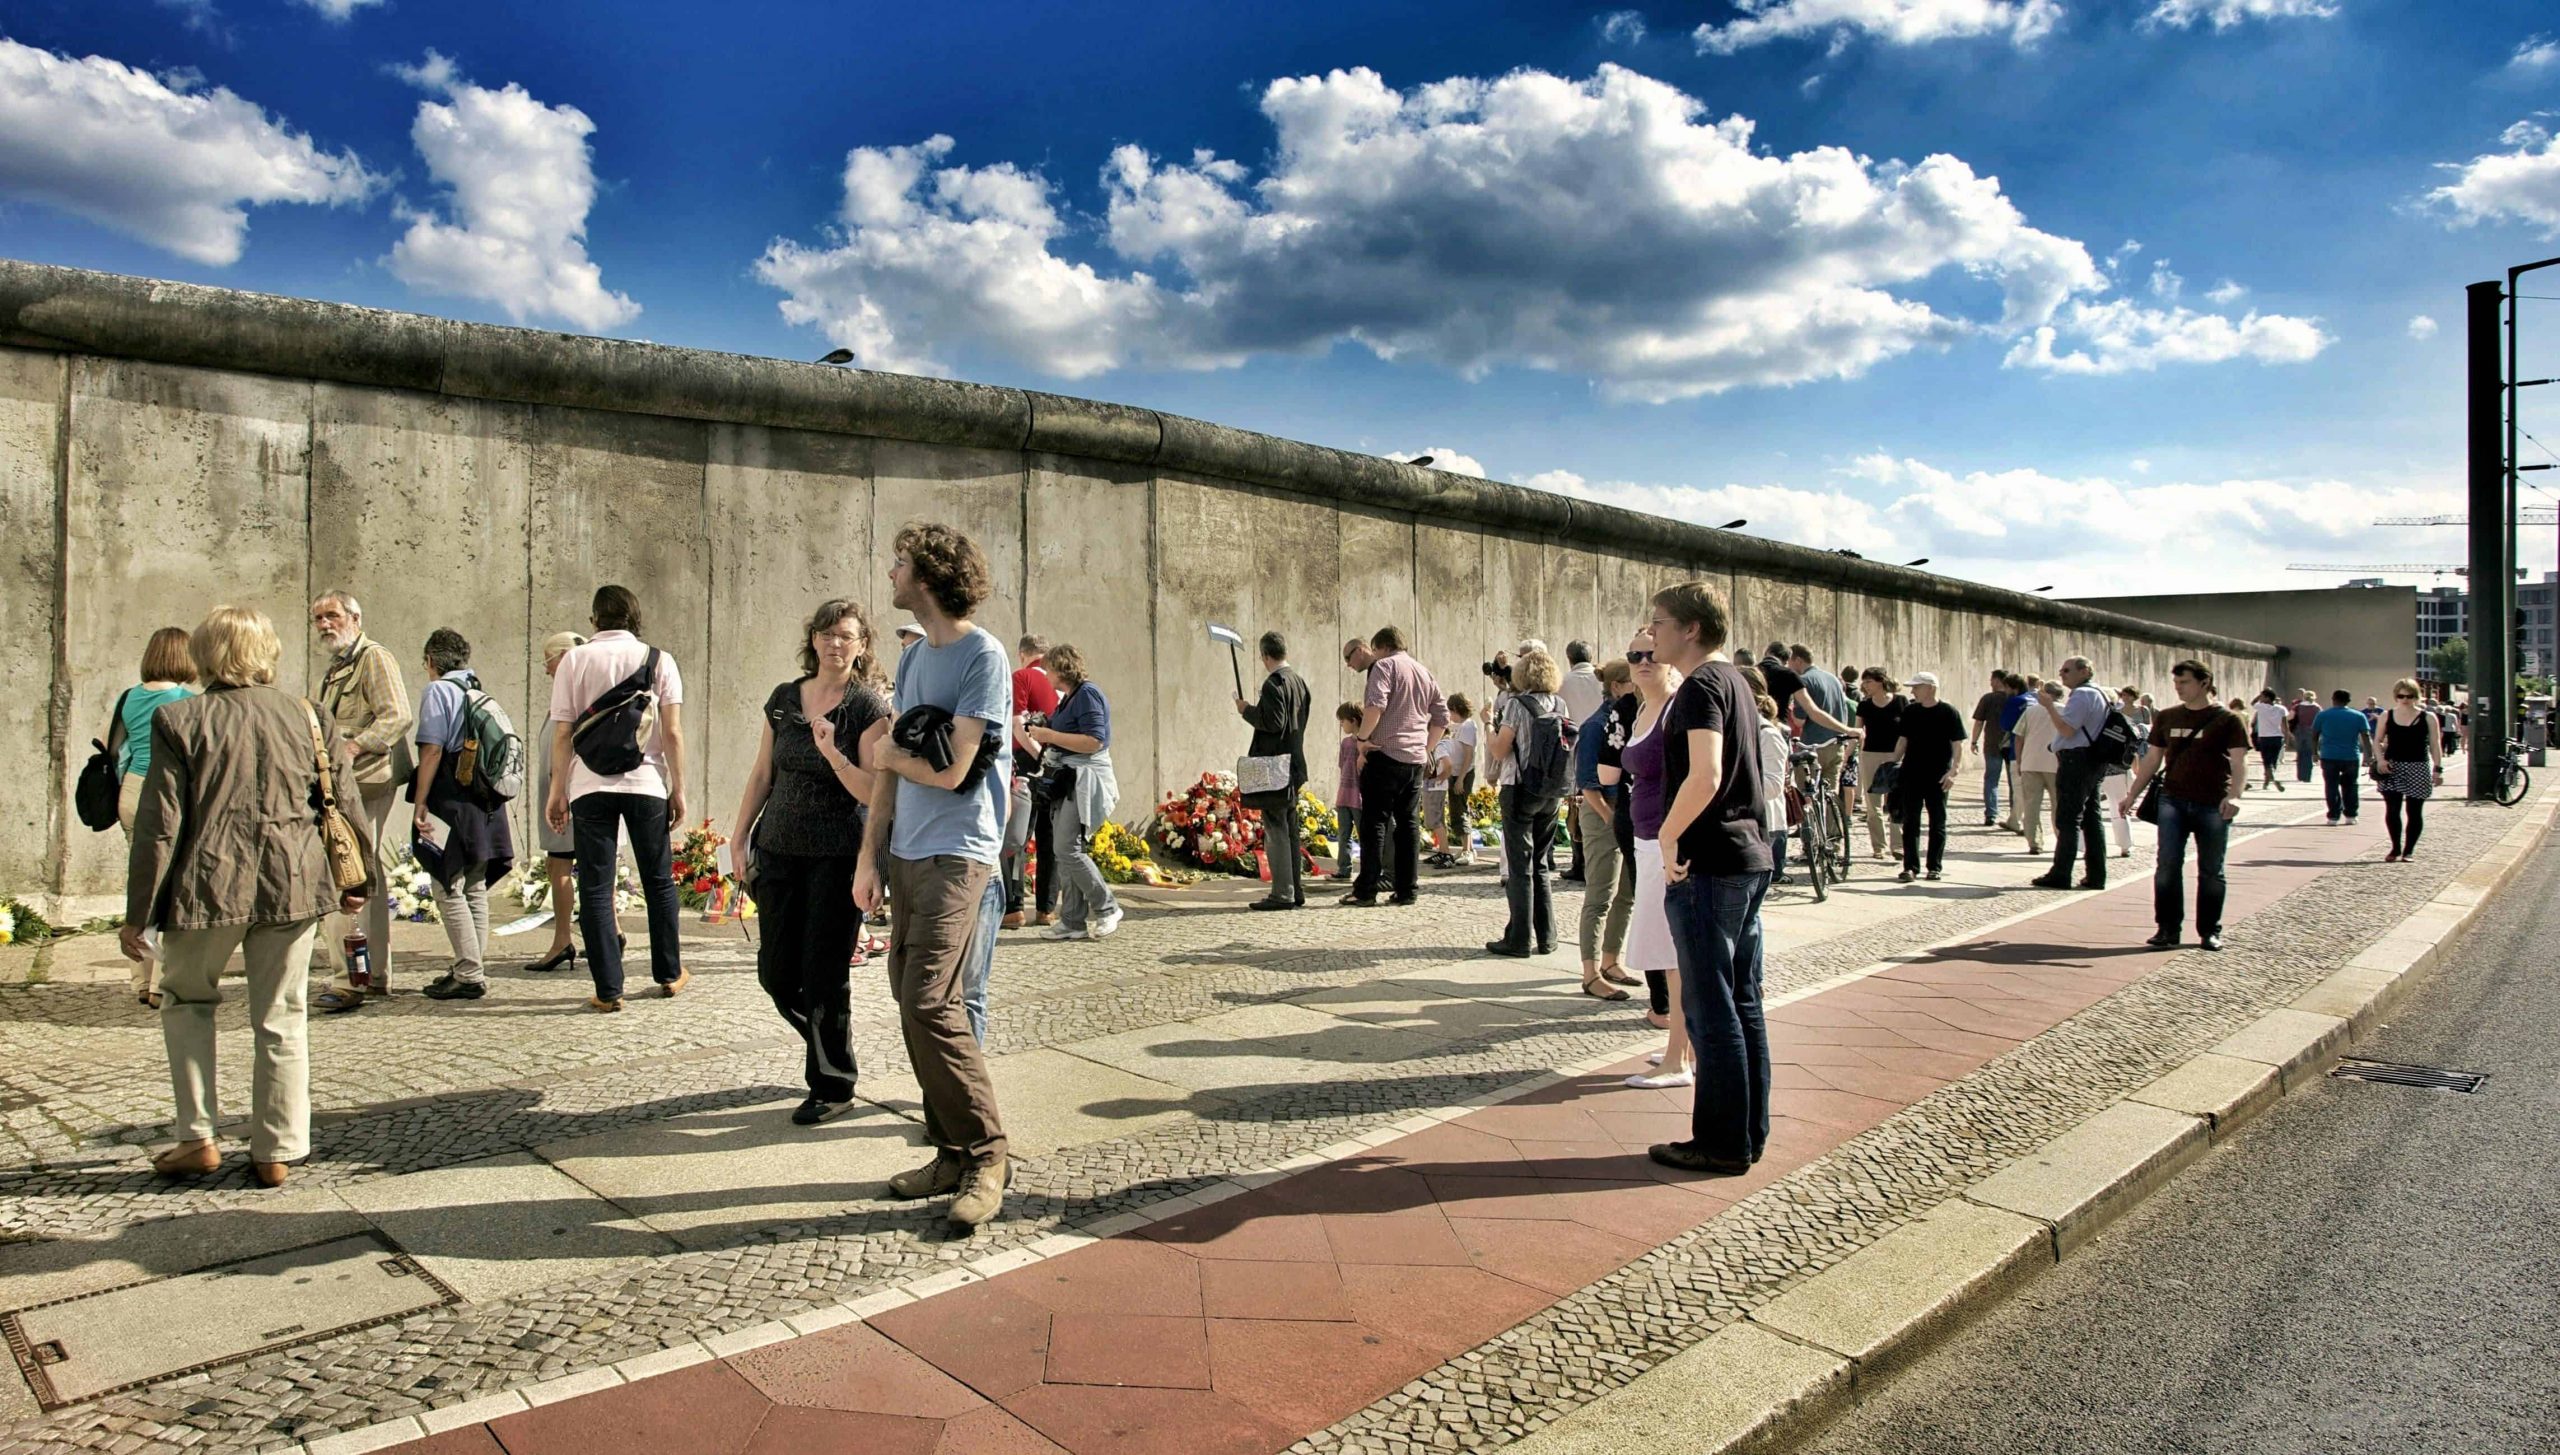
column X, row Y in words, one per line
column 2306, row 751
column 1528, row 845
column 1084, row 898
column 980, row 962
column 2182, row 819
column 1994, row 768
column 1715, row 929
column 2338, row 781
column 643, row 816
column 2077, row 822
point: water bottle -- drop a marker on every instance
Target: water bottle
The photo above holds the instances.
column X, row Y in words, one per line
column 359, row 960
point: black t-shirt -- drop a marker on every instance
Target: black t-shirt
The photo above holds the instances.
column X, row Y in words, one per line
column 1933, row 733
column 1881, row 722
column 1622, row 725
column 1727, row 838
column 809, row 811
column 1784, row 684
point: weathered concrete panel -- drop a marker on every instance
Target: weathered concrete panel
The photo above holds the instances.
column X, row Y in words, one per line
column 1449, row 582
column 31, row 388
column 789, row 517
column 1297, row 591
column 1571, row 605
column 978, row 491
column 618, row 499
column 1376, row 585
column 1197, row 527
column 1090, row 525
column 187, row 492
column 1515, row 601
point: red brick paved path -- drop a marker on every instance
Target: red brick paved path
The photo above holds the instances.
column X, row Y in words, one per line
column 1238, row 1328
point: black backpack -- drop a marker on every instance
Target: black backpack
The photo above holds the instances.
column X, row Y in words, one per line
column 613, row 736
column 94, row 797
column 2118, row 745
column 1545, row 764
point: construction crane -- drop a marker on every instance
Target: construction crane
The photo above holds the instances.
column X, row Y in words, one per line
column 2525, row 515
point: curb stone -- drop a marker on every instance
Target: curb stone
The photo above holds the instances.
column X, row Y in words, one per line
column 1811, row 1353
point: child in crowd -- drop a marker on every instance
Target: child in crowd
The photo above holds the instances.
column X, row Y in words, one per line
column 1465, row 732
column 1346, row 790
column 1449, row 762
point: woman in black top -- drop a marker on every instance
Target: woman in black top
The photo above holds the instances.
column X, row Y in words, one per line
column 802, row 812
column 2411, row 764
column 1879, row 720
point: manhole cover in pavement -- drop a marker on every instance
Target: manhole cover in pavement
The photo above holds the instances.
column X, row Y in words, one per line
column 2393, row 1073
column 77, row 1349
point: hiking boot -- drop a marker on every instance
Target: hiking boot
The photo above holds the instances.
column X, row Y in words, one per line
column 936, row 1177
column 981, row 1193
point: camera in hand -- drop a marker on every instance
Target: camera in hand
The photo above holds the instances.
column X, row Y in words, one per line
column 1498, row 671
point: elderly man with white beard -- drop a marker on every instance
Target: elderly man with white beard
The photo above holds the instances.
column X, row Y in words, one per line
column 362, row 692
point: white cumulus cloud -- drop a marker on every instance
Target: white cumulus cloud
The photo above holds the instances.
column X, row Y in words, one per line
column 1603, row 227
column 1444, row 458
column 2521, row 184
column 2113, row 336
column 340, row 11
column 173, row 166
column 2225, row 293
column 2422, row 327
column 1622, row 27
column 519, row 180
column 1894, row 22
column 2535, row 55
column 2224, row 14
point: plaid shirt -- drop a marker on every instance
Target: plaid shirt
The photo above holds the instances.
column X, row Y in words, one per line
column 363, row 694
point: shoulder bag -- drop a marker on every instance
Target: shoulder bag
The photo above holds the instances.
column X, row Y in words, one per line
column 348, row 871
column 95, row 796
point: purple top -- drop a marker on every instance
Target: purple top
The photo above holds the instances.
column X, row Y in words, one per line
column 1647, row 803
column 1346, row 788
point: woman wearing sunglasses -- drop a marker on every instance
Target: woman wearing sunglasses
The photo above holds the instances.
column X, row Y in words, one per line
column 2409, row 763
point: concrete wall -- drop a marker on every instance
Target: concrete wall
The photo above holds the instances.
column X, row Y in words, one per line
column 166, row 448
column 2355, row 637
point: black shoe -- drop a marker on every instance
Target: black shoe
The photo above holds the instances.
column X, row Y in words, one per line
column 1548, row 948
column 1360, row 901
column 567, row 959
column 1273, row 904
column 1506, row 949
column 2091, row 884
column 1905, row 877
column 447, row 987
column 2212, row 941
column 813, row 1111
column 1570, row 877
column 1689, row 1159
column 1402, row 901
column 2165, row 940
column 1932, row 874
column 2047, row 881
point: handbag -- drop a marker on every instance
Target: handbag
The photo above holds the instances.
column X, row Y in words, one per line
column 1263, row 775
column 348, row 871
column 94, row 798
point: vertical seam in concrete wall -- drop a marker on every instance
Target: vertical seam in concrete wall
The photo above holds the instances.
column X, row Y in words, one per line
column 310, row 525
column 57, row 729
column 1156, row 786
column 711, row 675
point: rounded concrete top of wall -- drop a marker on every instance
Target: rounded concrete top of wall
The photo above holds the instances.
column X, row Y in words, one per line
column 181, row 323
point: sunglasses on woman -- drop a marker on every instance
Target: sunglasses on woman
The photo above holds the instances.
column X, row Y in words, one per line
column 1638, row 659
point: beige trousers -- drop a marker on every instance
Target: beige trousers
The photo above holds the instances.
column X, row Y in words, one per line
column 379, row 804
column 1884, row 832
column 2035, row 807
column 279, row 965
column 146, row 972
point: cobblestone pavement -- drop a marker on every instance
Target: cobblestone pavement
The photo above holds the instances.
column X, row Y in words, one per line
column 423, row 1087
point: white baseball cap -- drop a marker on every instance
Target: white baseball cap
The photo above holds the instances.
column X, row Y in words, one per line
column 908, row 631
column 1924, row 679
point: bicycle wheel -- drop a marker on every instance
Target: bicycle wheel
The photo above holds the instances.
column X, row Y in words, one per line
column 2513, row 785
column 1824, row 868
column 1840, row 833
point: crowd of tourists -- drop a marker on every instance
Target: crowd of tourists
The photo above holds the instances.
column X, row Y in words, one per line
column 949, row 790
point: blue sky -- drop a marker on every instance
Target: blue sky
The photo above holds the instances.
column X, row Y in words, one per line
column 2110, row 295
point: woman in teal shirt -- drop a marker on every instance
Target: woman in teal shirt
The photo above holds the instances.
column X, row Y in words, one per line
column 168, row 674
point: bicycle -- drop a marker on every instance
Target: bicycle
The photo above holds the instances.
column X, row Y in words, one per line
column 1825, row 827
column 2513, row 781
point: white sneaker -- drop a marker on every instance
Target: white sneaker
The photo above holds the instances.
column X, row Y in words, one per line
column 1064, row 932
column 1664, row 1081
column 1105, row 925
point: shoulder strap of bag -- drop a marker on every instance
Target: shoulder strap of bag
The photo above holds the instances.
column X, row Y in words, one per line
column 115, row 719
column 320, row 758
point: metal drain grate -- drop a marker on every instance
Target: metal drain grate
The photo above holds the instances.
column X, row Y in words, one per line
column 2392, row 1073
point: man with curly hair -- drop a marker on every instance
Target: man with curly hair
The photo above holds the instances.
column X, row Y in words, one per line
column 934, row 836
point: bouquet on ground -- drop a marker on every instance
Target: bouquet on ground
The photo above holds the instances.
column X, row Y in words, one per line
column 1484, row 816
column 1315, row 829
column 1206, row 825
column 1122, row 857
column 8, row 920
column 699, row 881
column 532, row 888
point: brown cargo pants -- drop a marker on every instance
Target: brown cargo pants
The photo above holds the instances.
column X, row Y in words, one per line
column 933, row 912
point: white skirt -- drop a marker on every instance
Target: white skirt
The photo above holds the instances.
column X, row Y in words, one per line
column 1649, row 931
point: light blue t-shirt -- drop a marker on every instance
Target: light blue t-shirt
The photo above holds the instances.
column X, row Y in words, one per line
column 969, row 678
column 440, row 709
column 141, row 704
column 2342, row 732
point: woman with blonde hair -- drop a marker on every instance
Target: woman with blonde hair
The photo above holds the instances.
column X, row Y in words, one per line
column 227, row 855
column 1529, row 816
column 168, row 675
column 801, row 816
column 559, row 846
column 2408, row 766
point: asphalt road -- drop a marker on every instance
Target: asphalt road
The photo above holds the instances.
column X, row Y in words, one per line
column 2365, row 1268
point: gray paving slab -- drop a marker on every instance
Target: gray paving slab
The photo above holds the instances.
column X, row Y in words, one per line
column 505, row 1225
column 718, row 1178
